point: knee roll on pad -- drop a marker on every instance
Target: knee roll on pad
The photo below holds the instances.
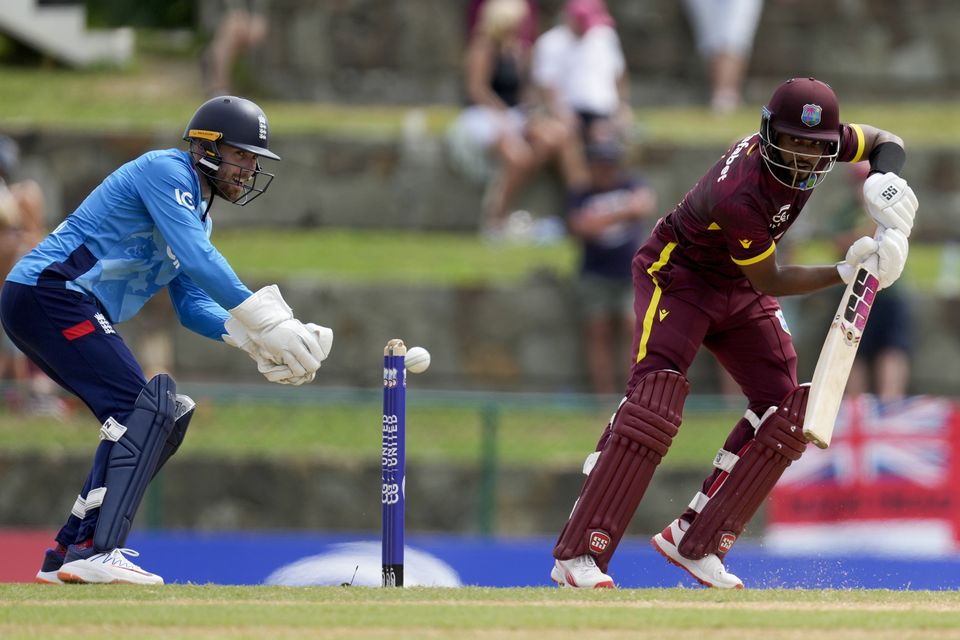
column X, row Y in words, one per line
column 778, row 442
column 182, row 413
column 133, row 458
column 640, row 434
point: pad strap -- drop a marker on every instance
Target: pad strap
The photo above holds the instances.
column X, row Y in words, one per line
column 724, row 514
column 639, row 436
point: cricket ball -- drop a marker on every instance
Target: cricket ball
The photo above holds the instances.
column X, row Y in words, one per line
column 417, row 360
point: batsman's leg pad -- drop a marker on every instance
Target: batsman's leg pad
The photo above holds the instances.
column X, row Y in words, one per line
column 639, row 436
column 133, row 459
column 747, row 479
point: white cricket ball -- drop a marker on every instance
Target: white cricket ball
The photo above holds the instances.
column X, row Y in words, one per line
column 417, row 360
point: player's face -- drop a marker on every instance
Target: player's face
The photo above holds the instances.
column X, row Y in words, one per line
column 237, row 168
column 801, row 155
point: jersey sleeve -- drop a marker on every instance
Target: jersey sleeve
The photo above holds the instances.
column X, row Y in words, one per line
column 746, row 232
column 195, row 309
column 852, row 143
column 167, row 192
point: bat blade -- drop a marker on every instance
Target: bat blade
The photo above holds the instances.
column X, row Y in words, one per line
column 837, row 356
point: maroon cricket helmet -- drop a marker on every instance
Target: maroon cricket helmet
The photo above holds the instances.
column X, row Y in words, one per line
column 805, row 108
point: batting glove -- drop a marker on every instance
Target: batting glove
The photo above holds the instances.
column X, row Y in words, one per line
column 890, row 202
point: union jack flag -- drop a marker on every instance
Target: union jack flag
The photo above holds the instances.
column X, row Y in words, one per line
column 907, row 441
column 892, row 467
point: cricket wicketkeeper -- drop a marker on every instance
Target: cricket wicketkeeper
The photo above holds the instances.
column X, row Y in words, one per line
column 145, row 228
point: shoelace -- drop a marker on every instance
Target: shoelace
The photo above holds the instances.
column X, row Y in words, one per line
column 116, row 556
column 588, row 561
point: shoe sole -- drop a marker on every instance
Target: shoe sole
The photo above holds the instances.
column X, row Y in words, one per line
column 670, row 559
column 562, row 582
column 70, row 578
column 42, row 580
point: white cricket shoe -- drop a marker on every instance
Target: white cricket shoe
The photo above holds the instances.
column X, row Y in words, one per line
column 110, row 567
column 708, row 570
column 581, row 572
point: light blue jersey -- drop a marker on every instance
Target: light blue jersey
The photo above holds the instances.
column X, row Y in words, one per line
column 144, row 228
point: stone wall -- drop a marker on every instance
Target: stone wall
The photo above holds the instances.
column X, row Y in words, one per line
column 411, row 51
column 201, row 493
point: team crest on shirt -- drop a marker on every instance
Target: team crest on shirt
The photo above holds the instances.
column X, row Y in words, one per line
column 811, row 114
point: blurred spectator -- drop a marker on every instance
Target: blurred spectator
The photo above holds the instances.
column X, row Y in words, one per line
column 499, row 118
column 608, row 220
column 22, row 226
column 579, row 67
column 724, row 31
column 882, row 366
column 242, row 28
column 529, row 28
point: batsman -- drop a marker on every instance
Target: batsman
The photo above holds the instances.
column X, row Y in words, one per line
column 147, row 227
column 709, row 275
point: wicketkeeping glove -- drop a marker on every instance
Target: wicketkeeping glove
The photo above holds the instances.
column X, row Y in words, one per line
column 890, row 202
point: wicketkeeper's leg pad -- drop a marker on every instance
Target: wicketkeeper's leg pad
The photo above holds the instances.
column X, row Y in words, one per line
column 747, row 479
column 639, row 436
column 137, row 447
column 183, row 412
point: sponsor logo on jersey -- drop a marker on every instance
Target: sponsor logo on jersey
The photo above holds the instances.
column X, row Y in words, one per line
column 184, row 199
column 811, row 114
column 172, row 256
column 599, row 541
column 781, row 216
column 733, row 156
column 663, row 314
column 783, row 321
column 746, row 243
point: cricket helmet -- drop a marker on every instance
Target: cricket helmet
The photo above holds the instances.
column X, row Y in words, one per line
column 233, row 121
column 803, row 108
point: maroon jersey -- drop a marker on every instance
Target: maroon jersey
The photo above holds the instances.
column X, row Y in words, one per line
column 736, row 213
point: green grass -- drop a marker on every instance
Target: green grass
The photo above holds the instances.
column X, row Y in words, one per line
column 524, row 436
column 436, row 258
column 188, row 611
column 426, row 258
column 160, row 92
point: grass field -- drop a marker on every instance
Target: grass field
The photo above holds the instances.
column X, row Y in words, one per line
column 174, row 611
column 538, row 435
column 357, row 256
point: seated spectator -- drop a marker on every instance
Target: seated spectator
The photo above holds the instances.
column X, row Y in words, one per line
column 724, row 31
column 242, row 28
column 529, row 29
column 499, row 120
column 608, row 219
column 580, row 70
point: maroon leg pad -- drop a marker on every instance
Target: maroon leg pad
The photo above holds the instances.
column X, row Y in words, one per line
column 779, row 441
column 638, row 438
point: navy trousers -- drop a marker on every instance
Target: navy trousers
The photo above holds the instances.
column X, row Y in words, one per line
column 68, row 336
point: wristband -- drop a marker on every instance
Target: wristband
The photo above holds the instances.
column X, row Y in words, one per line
column 887, row 157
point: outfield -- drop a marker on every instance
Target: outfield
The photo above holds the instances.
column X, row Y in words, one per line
column 190, row 611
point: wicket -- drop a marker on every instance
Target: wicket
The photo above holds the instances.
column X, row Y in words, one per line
column 393, row 461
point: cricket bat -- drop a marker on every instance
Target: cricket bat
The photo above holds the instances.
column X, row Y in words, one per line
column 836, row 357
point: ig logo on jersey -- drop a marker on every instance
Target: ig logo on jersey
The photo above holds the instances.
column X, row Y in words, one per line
column 184, row 199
